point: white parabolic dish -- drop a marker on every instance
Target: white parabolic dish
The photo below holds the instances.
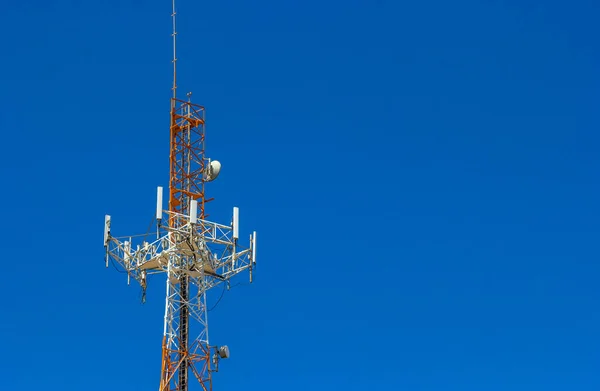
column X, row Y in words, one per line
column 214, row 168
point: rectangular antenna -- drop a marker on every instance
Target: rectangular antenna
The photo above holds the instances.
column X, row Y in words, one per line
column 236, row 222
column 106, row 229
column 159, row 202
column 126, row 252
column 193, row 211
column 254, row 246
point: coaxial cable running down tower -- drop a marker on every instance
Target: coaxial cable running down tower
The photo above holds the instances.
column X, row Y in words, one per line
column 194, row 253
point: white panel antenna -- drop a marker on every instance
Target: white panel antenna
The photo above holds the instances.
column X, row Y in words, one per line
column 254, row 247
column 236, row 222
column 106, row 229
column 159, row 202
column 193, row 211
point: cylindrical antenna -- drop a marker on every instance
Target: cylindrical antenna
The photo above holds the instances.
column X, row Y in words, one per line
column 174, row 52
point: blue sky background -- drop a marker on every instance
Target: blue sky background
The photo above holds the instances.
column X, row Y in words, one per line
column 423, row 177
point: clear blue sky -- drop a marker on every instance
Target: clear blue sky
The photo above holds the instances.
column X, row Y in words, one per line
column 423, row 175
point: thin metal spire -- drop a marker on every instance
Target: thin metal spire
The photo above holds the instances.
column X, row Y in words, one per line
column 174, row 35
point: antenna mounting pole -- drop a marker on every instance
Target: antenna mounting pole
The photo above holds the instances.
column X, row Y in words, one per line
column 174, row 35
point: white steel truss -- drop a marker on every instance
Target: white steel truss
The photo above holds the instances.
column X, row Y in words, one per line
column 202, row 252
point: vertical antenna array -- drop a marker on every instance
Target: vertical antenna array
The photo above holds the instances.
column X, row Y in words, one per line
column 193, row 253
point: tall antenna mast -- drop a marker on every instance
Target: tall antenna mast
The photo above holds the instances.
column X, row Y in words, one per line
column 174, row 34
column 194, row 253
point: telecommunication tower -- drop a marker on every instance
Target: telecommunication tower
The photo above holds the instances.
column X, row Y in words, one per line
column 194, row 253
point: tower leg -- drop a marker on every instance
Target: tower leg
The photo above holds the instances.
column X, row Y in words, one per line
column 183, row 335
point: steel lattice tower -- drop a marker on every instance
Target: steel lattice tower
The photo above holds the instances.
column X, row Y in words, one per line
column 194, row 253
